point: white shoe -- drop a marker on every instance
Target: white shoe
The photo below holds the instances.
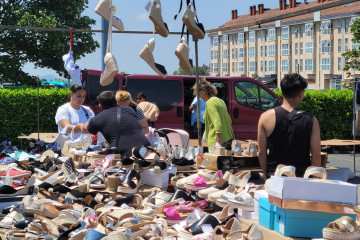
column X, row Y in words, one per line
column 190, row 155
column 236, row 149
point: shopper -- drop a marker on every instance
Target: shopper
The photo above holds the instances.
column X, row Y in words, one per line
column 218, row 130
column 73, row 114
column 290, row 135
column 194, row 117
column 123, row 98
column 150, row 110
column 129, row 133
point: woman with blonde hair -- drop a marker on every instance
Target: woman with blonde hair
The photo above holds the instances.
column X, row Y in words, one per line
column 218, row 130
column 123, row 98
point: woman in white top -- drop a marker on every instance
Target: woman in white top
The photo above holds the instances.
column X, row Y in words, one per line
column 73, row 114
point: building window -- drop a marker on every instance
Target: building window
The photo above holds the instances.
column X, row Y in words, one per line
column 263, row 36
column 261, row 66
column 297, row 65
column 272, row 50
column 301, row 65
column 301, row 48
column 241, row 38
column 234, row 53
column 233, row 67
column 241, row 52
column 309, row 29
column 265, row 66
column 325, row 27
column 225, row 53
column 241, row 66
column 266, row 48
column 224, row 67
column 272, row 66
column 216, row 67
column 296, row 49
column 346, row 25
column 252, row 66
column 285, row 33
column 212, row 55
column 214, row 41
column 339, row 64
column 285, row 65
column 216, row 54
column 352, row 20
column 346, row 44
column 285, row 50
column 301, row 31
column 325, row 46
column 272, row 34
column 339, row 26
column 234, row 39
column 309, row 65
column 309, row 47
column 252, row 36
column 296, row 31
column 325, row 64
column 339, row 45
column 225, row 40
column 252, row 52
column 261, row 51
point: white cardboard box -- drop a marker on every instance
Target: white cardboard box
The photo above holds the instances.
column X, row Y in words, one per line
column 257, row 195
column 313, row 190
column 149, row 177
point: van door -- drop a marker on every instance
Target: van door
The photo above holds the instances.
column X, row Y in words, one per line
column 249, row 102
column 167, row 94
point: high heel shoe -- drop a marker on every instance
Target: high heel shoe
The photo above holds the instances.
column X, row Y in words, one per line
column 155, row 16
column 147, row 54
column 196, row 29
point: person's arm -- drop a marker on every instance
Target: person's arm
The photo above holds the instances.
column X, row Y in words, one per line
column 144, row 126
column 66, row 122
column 315, row 144
column 192, row 107
column 262, row 145
column 93, row 126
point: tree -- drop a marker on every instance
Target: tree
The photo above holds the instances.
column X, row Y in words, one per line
column 202, row 71
column 43, row 48
column 353, row 55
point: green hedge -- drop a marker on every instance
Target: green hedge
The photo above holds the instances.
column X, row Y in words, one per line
column 18, row 111
column 333, row 109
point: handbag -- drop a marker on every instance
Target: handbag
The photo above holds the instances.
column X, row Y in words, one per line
column 111, row 68
column 63, row 136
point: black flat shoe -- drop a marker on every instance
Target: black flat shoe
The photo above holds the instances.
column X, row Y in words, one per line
column 207, row 219
column 141, row 165
column 159, row 167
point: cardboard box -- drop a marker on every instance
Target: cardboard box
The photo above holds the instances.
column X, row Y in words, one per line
column 259, row 194
column 313, row 190
column 149, row 177
column 266, row 213
column 299, row 223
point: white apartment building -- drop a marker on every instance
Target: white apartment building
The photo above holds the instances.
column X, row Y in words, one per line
column 311, row 44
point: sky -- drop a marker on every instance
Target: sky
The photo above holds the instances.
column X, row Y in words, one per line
column 126, row 47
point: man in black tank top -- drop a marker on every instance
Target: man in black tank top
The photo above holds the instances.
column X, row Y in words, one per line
column 287, row 135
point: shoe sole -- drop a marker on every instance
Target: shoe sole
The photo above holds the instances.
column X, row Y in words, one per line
column 103, row 11
column 195, row 31
column 183, row 61
column 125, row 190
column 159, row 26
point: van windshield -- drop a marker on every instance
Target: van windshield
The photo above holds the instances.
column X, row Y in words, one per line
column 94, row 88
column 166, row 94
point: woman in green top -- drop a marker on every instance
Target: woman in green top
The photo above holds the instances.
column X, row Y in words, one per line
column 218, row 130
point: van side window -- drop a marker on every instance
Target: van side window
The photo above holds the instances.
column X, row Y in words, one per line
column 254, row 96
column 166, row 94
column 94, row 88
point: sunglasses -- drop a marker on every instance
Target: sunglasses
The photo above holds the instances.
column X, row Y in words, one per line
column 138, row 98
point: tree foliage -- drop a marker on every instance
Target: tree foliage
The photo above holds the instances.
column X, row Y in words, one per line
column 202, row 72
column 43, row 48
column 353, row 55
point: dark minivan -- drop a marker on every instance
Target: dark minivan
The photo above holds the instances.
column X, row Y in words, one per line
column 245, row 98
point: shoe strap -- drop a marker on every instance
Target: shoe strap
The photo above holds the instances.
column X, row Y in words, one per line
column 109, row 39
column 315, row 171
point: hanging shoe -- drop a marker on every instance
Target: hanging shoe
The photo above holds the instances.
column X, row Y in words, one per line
column 155, row 16
column 147, row 54
column 196, row 29
column 111, row 69
column 182, row 52
column 104, row 10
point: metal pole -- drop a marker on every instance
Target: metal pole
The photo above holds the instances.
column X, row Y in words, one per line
column 353, row 128
column 197, row 92
column 104, row 26
column 38, row 108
